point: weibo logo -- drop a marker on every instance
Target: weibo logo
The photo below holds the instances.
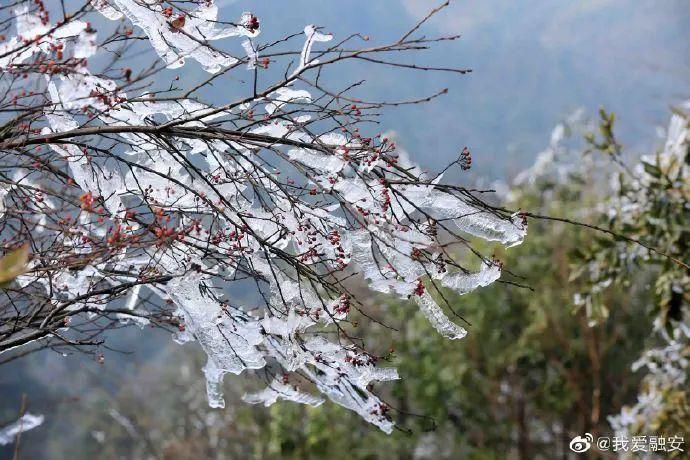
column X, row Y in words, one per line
column 581, row 444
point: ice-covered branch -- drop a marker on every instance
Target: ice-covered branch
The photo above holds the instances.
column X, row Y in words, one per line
column 247, row 223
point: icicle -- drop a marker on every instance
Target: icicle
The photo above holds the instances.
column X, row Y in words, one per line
column 252, row 54
column 462, row 283
column 214, row 385
column 279, row 390
column 438, row 319
column 322, row 162
column 313, row 36
column 25, row 423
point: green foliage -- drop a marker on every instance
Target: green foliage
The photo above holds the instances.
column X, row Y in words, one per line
column 650, row 206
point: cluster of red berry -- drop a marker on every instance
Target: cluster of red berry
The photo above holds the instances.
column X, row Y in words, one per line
column 343, row 306
column 416, row 254
column 385, row 194
column 251, row 23
column 334, row 238
column 381, row 410
column 419, row 290
column 362, row 359
column 43, row 14
column 465, row 159
column 86, row 201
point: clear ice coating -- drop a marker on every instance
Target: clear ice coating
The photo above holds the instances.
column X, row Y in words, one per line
column 24, row 423
column 352, row 220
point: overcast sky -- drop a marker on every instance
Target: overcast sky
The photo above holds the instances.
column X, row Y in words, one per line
column 534, row 62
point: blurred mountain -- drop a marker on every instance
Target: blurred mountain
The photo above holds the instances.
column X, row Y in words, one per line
column 534, row 62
